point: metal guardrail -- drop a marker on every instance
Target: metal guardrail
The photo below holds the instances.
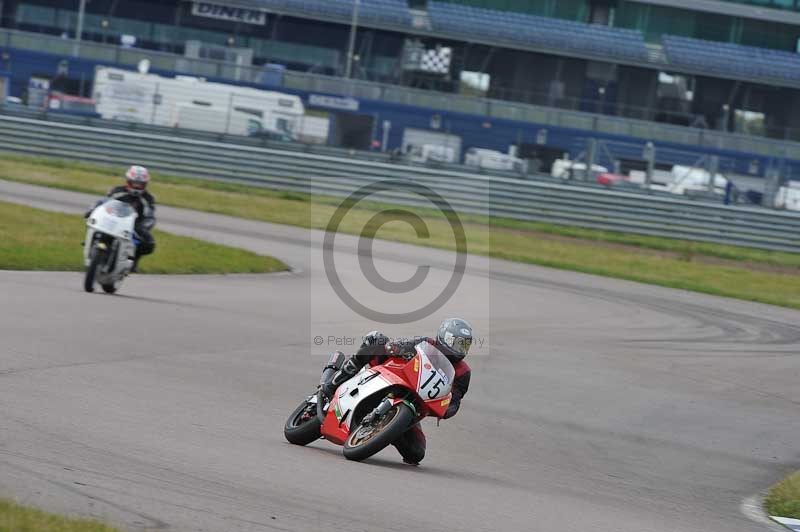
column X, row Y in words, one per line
column 467, row 193
column 500, row 109
column 21, row 111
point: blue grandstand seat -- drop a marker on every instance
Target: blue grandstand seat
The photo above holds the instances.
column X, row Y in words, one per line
column 538, row 31
column 733, row 60
column 380, row 11
column 492, row 24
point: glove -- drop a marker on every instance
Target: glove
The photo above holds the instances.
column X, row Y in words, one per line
column 406, row 354
column 375, row 338
column 399, row 350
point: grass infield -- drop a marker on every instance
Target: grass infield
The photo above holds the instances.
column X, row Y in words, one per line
column 34, row 239
column 17, row 518
column 783, row 499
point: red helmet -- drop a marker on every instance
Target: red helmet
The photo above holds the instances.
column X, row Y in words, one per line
column 137, row 178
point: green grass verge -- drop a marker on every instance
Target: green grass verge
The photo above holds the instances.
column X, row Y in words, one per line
column 34, row 239
column 17, row 518
column 292, row 208
column 783, row 499
column 743, row 273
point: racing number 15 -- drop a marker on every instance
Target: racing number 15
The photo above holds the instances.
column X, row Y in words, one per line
column 434, row 391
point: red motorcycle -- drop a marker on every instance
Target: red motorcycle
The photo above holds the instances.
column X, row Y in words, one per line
column 373, row 408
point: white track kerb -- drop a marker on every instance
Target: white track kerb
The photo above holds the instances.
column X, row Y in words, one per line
column 752, row 508
column 791, row 524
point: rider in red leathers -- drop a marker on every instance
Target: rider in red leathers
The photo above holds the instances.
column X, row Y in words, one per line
column 453, row 339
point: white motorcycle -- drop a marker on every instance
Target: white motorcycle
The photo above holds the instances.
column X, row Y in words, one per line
column 110, row 245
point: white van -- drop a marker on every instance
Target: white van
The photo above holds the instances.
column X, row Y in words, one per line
column 687, row 178
column 788, row 197
column 433, row 153
column 494, row 160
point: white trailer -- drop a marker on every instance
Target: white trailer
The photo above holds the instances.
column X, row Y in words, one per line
column 193, row 102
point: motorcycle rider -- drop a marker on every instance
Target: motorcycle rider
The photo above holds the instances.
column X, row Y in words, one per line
column 135, row 193
column 453, row 339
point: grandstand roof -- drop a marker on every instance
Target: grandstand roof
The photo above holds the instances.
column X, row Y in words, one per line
column 732, row 8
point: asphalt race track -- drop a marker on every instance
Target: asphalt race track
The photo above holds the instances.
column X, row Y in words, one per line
column 596, row 405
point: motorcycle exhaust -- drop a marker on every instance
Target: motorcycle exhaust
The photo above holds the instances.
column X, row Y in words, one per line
column 334, row 364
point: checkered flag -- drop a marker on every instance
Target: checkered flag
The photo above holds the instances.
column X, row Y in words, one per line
column 436, row 60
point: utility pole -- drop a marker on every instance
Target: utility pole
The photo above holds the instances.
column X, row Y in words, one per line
column 713, row 168
column 649, row 155
column 352, row 44
column 76, row 48
column 591, row 155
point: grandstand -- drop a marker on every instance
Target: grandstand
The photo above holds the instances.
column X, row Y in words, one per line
column 723, row 65
column 732, row 60
column 524, row 29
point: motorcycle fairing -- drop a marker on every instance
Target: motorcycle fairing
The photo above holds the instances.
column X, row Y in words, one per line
column 349, row 395
column 429, row 373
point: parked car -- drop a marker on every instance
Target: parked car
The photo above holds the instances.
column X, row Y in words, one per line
column 610, row 179
column 568, row 169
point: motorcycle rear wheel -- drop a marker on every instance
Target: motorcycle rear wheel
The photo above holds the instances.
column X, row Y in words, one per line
column 299, row 431
column 98, row 259
column 361, row 445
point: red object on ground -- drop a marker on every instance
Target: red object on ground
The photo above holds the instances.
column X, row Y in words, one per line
column 58, row 101
column 609, row 179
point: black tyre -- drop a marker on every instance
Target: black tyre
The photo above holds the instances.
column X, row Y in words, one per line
column 303, row 426
column 109, row 288
column 363, row 442
column 91, row 272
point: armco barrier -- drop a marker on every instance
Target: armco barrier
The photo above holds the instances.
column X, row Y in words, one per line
column 468, row 193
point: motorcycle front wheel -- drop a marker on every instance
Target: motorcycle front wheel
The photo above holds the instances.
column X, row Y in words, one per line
column 303, row 426
column 98, row 258
column 109, row 288
column 365, row 441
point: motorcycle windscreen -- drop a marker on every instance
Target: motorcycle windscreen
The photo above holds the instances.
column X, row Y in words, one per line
column 436, row 374
column 118, row 208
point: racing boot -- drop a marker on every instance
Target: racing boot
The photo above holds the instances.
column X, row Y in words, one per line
column 136, row 256
column 349, row 368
